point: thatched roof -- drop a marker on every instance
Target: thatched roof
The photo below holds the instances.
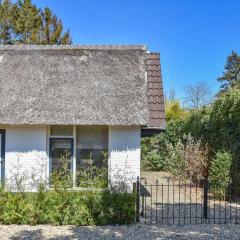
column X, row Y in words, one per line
column 82, row 85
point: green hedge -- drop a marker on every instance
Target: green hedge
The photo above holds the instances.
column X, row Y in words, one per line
column 67, row 208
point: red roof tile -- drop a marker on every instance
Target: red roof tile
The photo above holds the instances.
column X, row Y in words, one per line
column 155, row 92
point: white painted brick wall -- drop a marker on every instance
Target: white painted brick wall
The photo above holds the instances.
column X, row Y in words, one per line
column 25, row 156
column 124, row 154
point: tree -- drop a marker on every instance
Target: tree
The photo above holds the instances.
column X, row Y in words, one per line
column 197, row 96
column 224, row 132
column 23, row 23
column 174, row 111
column 27, row 23
column 231, row 74
column 52, row 29
column 6, row 12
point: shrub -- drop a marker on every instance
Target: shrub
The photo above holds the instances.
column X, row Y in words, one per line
column 196, row 157
column 15, row 209
column 118, row 208
column 219, row 173
column 187, row 159
column 225, row 128
column 62, row 206
column 153, row 157
column 78, row 208
column 219, row 126
column 176, row 163
column 154, row 149
column 174, row 110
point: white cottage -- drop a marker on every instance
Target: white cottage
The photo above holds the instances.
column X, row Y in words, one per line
column 82, row 98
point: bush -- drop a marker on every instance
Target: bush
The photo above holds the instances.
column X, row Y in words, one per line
column 176, row 163
column 187, row 159
column 77, row 208
column 154, row 153
column 225, row 128
column 63, row 206
column 219, row 126
column 196, row 156
column 153, row 157
column 119, row 208
column 15, row 209
column 174, row 111
column 219, row 173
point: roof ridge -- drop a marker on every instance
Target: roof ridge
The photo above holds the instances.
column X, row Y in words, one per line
column 69, row 47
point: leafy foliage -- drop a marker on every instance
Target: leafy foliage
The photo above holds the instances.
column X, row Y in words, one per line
column 197, row 123
column 174, row 111
column 219, row 173
column 187, row 159
column 61, row 205
column 73, row 208
column 224, row 125
column 175, row 162
column 184, row 157
column 154, row 149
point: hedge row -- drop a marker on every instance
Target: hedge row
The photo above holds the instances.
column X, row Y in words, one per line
column 67, row 208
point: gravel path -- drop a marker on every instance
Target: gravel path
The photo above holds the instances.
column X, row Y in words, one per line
column 120, row 232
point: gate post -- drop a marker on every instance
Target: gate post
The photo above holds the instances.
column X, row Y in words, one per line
column 138, row 200
column 205, row 198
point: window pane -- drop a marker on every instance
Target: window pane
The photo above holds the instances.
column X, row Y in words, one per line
column 61, row 130
column 88, row 157
column 92, row 145
column 61, row 150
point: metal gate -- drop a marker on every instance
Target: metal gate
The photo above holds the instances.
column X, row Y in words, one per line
column 181, row 203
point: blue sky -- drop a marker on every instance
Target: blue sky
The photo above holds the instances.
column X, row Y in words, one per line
column 193, row 37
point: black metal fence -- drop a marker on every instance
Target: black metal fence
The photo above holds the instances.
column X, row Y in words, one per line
column 170, row 203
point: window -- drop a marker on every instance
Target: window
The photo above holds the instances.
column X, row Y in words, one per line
column 61, row 147
column 61, row 152
column 92, row 146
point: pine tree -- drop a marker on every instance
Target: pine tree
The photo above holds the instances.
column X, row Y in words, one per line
column 6, row 12
column 231, row 74
column 24, row 23
column 27, row 22
column 52, row 29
